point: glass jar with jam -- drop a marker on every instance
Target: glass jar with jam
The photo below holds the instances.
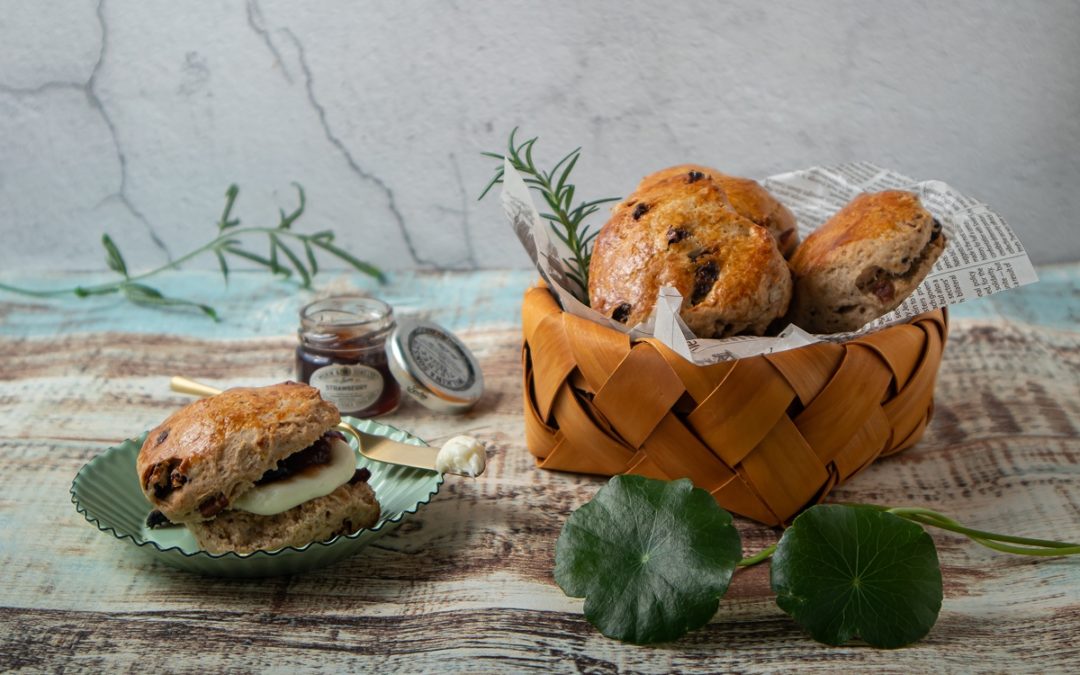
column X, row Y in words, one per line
column 342, row 352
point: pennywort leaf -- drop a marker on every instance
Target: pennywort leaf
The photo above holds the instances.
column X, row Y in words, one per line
column 845, row 571
column 651, row 558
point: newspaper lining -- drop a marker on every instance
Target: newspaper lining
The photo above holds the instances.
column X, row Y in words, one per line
column 983, row 256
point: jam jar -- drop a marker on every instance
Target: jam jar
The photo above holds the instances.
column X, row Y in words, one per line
column 342, row 352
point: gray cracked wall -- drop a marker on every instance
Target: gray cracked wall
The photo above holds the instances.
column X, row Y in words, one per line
column 133, row 117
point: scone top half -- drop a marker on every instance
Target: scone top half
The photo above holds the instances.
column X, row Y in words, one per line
column 864, row 261
column 680, row 230
column 205, row 455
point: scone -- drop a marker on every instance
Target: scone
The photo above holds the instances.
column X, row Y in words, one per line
column 681, row 231
column 747, row 196
column 863, row 262
column 256, row 468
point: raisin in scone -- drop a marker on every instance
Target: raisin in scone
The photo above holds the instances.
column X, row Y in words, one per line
column 682, row 231
column 257, row 467
column 749, row 199
column 863, row 262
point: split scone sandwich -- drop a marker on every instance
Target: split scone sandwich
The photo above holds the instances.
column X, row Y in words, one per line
column 680, row 229
column 863, row 262
column 256, row 468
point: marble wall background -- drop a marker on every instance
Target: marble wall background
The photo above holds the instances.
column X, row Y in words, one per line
column 134, row 116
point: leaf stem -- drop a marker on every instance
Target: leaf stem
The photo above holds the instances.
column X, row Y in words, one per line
column 1006, row 543
column 992, row 540
column 761, row 556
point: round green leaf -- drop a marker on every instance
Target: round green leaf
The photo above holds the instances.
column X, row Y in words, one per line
column 843, row 571
column 651, row 558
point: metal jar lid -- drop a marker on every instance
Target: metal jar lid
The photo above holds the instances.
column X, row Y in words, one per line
column 433, row 366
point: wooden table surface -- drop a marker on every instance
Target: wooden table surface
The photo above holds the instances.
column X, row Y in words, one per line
column 466, row 583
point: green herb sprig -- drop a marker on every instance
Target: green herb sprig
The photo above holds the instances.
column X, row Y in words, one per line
column 282, row 259
column 567, row 221
column 653, row 558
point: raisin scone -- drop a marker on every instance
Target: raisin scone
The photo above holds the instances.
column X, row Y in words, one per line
column 255, row 468
column 748, row 198
column 863, row 262
column 682, row 231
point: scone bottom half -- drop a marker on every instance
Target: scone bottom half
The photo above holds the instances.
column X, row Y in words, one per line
column 248, row 443
column 679, row 229
column 349, row 508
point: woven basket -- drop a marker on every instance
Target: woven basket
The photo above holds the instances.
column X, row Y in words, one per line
column 767, row 435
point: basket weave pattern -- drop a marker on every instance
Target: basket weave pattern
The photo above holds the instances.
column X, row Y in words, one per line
column 766, row 435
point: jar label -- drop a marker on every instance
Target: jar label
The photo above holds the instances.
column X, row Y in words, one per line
column 350, row 388
column 441, row 360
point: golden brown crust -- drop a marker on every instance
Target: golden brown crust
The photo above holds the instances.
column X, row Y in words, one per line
column 880, row 216
column 747, row 196
column 196, row 462
column 864, row 261
column 681, row 231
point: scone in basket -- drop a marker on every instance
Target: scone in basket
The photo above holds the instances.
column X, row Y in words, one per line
column 766, row 435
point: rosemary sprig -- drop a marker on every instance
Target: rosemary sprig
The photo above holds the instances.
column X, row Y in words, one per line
column 567, row 223
column 282, row 238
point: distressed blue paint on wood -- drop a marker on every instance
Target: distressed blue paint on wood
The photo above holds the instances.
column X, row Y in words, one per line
column 255, row 304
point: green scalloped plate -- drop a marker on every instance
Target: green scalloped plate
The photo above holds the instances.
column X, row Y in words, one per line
column 106, row 491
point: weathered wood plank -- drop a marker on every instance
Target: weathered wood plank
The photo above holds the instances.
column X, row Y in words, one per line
column 466, row 584
column 487, row 641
